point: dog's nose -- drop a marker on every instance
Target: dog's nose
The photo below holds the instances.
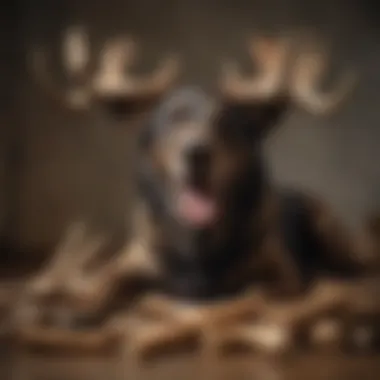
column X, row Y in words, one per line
column 198, row 154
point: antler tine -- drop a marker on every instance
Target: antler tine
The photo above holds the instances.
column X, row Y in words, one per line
column 87, row 252
column 60, row 259
column 77, row 98
column 271, row 57
column 309, row 68
column 75, row 50
column 72, row 239
column 115, row 56
column 112, row 78
column 76, row 56
column 160, row 80
column 80, row 282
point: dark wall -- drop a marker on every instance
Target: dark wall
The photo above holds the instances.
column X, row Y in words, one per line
column 60, row 164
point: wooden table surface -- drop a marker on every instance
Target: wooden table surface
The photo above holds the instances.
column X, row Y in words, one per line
column 14, row 366
column 19, row 366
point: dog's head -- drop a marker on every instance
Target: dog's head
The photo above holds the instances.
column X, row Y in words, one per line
column 178, row 148
column 199, row 148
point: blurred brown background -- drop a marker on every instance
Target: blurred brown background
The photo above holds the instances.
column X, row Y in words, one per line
column 55, row 165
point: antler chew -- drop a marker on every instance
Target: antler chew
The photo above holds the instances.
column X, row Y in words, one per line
column 48, row 283
column 271, row 57
column 59, row 264
column 75, row 51
column 92, row 290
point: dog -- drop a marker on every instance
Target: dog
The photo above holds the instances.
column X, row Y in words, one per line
column 219, row 222
column 210, row 225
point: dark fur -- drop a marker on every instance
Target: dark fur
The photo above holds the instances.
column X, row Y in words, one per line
column 270, row 238
column 197, row 265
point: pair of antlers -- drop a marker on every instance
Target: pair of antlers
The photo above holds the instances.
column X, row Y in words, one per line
column 296, row 78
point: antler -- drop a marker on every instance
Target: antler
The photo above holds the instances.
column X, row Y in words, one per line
column 71, row 251
column 271, row 58
column 47, row 281
column 308, row 70
column 272, row 80
column 110, row 80
column 75, row 55
column 91, row 290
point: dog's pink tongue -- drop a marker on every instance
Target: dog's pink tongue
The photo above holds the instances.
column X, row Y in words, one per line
column 195, row 208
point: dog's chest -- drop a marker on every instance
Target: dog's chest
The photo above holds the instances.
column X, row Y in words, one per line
column 202, row 272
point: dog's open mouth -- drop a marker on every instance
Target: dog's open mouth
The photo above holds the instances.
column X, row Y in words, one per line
column 196, row 208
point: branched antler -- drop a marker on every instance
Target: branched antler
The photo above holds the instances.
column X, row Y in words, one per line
column 284, row 75
column 92, row 290
column 307, row 74
column 72, row 254
column 110, row 80
column 270, row 56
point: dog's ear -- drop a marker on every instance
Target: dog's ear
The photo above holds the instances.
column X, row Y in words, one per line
column 249, row 123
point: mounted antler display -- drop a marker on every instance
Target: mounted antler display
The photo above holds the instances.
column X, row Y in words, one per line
column 285, row 75
column 110, row 80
